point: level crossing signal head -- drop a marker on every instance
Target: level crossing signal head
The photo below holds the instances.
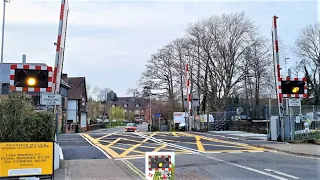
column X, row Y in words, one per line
column 159, row 162
column 31, row 78
column 292, row 87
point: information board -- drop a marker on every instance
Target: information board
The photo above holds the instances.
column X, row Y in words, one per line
column 50, row 99
column 159, row 165
column 18, row 159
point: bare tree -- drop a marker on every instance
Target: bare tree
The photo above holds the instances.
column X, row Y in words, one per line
column 307, row 47
column 91, row 91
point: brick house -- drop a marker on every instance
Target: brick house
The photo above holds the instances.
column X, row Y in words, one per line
column 132, row 104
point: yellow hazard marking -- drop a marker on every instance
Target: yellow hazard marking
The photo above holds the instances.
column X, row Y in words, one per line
column 126, row 152
column 97, row 143
column 107, row 135
column 228, row 142
column 124, row 149
column 159, row 148
column 114, row 142
column 174, row 134
column 145, row 140
column 134, row 169
column 199, row 144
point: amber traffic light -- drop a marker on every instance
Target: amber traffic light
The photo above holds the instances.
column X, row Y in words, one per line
column 292, row 87
column 31, row 78
column 160, row 163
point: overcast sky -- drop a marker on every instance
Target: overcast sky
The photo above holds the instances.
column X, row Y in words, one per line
column 109, row 42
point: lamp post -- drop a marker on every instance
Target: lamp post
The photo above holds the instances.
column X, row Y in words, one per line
column 3, row 24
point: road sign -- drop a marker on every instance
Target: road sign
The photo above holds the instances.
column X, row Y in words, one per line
column 157, row 115
column 239, row 110
column 19, row 159
column 50, row 99
column 294, row 102
column 159, row 165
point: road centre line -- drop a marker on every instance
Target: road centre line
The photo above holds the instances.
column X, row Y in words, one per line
column 220, row 160
column 282, row 174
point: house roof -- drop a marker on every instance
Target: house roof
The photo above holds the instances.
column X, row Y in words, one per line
column 131, row 102
column 64, row 84
column 77, row 88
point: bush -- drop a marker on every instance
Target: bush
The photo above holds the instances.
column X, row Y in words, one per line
column 20, row 123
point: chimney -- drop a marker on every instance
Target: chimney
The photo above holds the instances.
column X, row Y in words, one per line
column 24, row 58
column 65, row 77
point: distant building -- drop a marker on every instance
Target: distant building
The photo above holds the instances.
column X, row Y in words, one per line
column 133, row 104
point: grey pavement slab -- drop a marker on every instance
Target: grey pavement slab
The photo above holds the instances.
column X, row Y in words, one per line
column 98, row 169
column 298, row 149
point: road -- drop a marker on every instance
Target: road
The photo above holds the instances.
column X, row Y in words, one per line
column 198, row 156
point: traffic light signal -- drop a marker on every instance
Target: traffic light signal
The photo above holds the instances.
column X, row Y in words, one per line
column 292, row 87
column 31, row 78
column 160, row 162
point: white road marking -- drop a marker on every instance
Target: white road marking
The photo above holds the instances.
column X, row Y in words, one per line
column 210, row 157
column 282, row 174
column 61, row 153
column 109, row 157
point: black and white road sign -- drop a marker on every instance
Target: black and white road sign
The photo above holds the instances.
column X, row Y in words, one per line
column 50, row 99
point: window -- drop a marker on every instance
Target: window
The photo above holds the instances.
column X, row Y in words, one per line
column 5, row 88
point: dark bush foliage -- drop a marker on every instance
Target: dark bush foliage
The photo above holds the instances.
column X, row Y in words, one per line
column 20, row 123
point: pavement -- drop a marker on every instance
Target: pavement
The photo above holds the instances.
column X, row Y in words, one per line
column 198, row 156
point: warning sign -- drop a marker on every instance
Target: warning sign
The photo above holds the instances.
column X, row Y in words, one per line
column 26, row 158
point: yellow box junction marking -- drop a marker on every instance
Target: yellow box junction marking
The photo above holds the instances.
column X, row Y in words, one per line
column 105, row 136
column 159, row 148
column 105, row 148
column 32, row 157
column 174, row 134
column 126, row 152
column 199, row 144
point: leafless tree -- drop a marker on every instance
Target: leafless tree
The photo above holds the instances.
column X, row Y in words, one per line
column 91, row 91
column 307, row 47
column 228, row 59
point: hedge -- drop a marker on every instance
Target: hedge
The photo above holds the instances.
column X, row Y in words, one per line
column 20, row 123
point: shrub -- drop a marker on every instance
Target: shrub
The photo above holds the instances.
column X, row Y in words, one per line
column 20, row 123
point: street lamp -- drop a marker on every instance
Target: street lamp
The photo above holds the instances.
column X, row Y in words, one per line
column 3, row 23
column 285, row 63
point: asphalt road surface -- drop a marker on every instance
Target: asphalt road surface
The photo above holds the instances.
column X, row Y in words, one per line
column 198, row 156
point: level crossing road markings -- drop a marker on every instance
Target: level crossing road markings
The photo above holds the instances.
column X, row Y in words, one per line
column 133, row 145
